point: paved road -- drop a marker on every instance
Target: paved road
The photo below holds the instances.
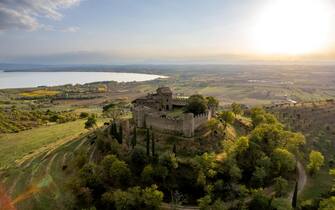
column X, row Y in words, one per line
column 302, row 179
column 167, row 206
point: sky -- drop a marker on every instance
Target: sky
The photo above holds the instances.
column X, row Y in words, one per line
column 166, row 31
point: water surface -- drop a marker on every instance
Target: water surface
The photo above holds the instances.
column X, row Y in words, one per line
column 35, row 79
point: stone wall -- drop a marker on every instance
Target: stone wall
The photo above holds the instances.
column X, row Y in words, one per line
column 162, row 123
column 201, row 119
column 184, row 126
column 179, row 101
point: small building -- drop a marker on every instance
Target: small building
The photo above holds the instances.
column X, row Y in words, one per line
column 161, row 100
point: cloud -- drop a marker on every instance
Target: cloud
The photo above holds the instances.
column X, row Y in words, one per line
column 25, row 14
column 71, row 29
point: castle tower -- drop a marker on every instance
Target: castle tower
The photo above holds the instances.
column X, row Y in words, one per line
column 165, row 98
column 188, row 125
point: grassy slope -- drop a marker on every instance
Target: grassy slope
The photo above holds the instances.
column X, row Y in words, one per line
column 15, row 146
column 38, row 183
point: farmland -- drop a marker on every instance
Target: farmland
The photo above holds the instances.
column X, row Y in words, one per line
column 42, row 131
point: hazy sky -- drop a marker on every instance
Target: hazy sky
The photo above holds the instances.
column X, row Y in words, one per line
column 163, row 31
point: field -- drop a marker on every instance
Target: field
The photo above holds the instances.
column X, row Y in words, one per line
column 32, row 161
column 15, row 148
column 40, row 93
column 248, row 84
column 41, row 181
column 32, row 164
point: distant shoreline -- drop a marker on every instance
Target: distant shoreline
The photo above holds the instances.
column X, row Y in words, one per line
column 31, row 79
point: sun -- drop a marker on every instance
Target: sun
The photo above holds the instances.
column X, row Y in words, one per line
column 293, row 27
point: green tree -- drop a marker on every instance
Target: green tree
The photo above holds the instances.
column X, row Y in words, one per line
column 212, row 102
column 281, row 204
column 134, row 138
column 91, row 122
column 120, row 135
column 147, row 139
column 196, row 104
column 283, row 161
column 89, row 176
column 242, row 144
column 147, row 174
column 122, row 200
column 119, row 173
column 153, row 144
column 226, row 117
column 280, row 186
column 332, row 173
column 213, row 125
column 83, row 115
column 107, row 163
column 316, row 160
column 138, row 160
column 259, row 116
column 236, row 108
column 81, row 158
column 152, row 197
column 206, row 165
column 260, row 202
column 295, row 196
column 174, row 149
column 327, row 204
column 113, row 111
column 258, row 176
column 204, row 202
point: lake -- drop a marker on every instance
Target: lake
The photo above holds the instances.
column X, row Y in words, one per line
column 34, row 79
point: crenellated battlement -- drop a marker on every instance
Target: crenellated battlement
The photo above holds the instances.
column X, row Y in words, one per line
column 153, row 111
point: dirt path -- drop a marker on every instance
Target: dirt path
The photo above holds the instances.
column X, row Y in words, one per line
column 167, row 206
column 81, row 143
column 35, row 170
column 302, row 179
column 92, row 154
column 47, row 171
column 11, row 189
column 64, row 158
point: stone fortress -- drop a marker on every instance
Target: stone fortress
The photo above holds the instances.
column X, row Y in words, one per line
column 155, row 110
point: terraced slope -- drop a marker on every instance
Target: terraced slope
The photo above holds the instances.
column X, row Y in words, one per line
column 36, row 165
column 41, row 182
column 19, row 147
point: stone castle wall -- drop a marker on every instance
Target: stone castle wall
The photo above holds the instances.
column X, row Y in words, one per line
column 185, row 125
column 201, row 119
column 162, row 123
column 179, row 101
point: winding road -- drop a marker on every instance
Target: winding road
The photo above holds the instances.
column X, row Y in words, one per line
column 302, row 179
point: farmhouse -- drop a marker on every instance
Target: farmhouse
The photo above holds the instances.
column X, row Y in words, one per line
column 164, row 112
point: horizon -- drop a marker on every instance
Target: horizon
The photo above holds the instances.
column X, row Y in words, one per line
column 88, row 32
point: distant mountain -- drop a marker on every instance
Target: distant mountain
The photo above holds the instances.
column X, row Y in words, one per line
column 6, row 66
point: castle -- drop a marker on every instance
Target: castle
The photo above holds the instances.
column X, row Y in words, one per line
column 157, row 110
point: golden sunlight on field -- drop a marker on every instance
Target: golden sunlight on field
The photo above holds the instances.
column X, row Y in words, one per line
column 40, row 93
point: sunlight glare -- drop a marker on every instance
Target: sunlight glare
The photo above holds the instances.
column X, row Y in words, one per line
column 293, row 27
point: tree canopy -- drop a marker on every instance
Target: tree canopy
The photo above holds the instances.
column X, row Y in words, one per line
column 196, row 104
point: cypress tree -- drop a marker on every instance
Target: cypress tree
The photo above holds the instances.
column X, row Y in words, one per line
column 134, row 140
column 295, row 196
column 112, row 129
column 120, row 135
column 153, row 144
column 148, row 142
column 174, row 149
